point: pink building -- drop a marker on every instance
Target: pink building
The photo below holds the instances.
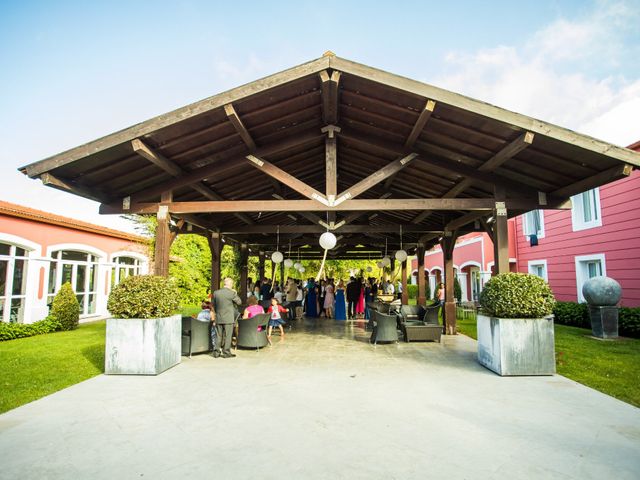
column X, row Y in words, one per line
column 600, row 235
column 40, row 251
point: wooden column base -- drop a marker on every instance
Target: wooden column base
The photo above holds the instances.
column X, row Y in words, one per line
column 422, row 301
column 450, row 316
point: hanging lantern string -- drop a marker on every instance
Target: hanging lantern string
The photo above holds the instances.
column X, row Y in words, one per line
column 273, row 264
column 400, row 237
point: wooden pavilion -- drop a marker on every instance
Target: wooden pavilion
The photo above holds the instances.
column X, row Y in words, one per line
column 336, row 145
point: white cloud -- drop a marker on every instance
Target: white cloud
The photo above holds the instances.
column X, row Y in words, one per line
column 550, row 75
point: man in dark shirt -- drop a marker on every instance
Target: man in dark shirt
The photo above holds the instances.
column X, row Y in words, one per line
column 352, row 297
column 265, row 293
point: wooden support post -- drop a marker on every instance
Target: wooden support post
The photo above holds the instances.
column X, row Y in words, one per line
column 405, row 293
column 215, row 245
column 422, row 299
column 448, row 244
column 244, row 267
column 163, row 237
column 261, row 266
column 500, row 235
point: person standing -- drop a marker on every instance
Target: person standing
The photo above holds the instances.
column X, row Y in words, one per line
column 352, row 297
column 225, row 301
column 340, row 310
column 399, row 290
column 329, row 299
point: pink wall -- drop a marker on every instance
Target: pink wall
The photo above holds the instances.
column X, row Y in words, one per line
column 618, row 239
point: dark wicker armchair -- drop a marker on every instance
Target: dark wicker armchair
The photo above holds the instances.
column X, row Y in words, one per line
column 412, row 313
column 196, row 336
column 384, row 329
column 426, row 330
column 432, row 314
column 248, row 334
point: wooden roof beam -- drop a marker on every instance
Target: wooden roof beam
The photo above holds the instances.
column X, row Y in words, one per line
column 284, row 229
column 610, row 175
column 287, row 179
column 330, row 93
column 172, row 169
column 237, row 123
column 347, row 205
column 428, row 109
column 375, row 178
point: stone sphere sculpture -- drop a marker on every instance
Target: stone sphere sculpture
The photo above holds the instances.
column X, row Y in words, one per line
column 602, row 291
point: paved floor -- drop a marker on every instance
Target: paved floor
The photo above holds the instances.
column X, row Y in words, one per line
column 325, row 404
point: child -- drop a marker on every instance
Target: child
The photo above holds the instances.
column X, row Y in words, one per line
column 207, row 314
column 276, row 320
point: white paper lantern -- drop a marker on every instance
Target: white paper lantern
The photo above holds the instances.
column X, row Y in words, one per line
column 369, row 269
column 297, row 265
column 328, row 240
column 277, row 257
column 386, row 261
column 288, row 262
column 380, row 264
column 301, row 269
column 401, row 255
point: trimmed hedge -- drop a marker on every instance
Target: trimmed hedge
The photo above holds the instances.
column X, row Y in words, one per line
column 65, row 308
column 144, row 296
column 412, row 290
column 517, row 295
column 577, row 315
column 11, row 331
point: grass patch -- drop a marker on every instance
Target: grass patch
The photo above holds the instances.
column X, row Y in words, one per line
column 31, row 368
column 611, row 367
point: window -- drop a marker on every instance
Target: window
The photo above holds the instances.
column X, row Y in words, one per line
column 533, row 223
column 13, row 281
column 539, row 268
column 589, row 266
column 81, row 270
column 124, row 266
column 585, row 210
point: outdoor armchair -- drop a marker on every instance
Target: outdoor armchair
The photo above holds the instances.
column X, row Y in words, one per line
column 196, row 336
column 248, row 334
column 384, row 329
column 432, row 314
column 412, row 313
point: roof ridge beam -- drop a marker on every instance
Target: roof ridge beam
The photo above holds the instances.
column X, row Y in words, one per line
column 330, row 93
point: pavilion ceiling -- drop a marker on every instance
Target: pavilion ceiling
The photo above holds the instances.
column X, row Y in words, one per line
column 427, row 159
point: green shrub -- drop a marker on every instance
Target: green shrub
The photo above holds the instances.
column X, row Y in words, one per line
column 144, row 296
column 572, row 313
column 412, row 291
column 11, row 331
column 65, row 308
column 629, row 322
column 457, row 289
column 517, row 295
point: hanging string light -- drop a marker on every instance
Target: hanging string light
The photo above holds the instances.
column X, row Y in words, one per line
column 327, row 241
column 386, row 261
column 276, row 258
column 401, row 255
column 288, row 262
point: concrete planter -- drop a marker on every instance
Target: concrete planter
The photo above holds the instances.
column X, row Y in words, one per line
column 139, row 346
column 517, row 346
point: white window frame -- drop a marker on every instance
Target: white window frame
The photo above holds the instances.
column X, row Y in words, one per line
column 537, row 263
column 540, row 233
column 577, row 212
column 581, row 273
column 7, row 295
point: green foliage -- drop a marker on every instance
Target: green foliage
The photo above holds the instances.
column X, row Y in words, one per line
column 577, row 315
column 412, row 291
column 629, row 322
column 11, row 331
column 517, row 295
column 65, row 308
column 572, row 313
column 144, row 296
column 191, row 268
column 427, row 289
column 457, row 289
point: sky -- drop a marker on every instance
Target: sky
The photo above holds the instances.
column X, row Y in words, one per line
column 74, row 71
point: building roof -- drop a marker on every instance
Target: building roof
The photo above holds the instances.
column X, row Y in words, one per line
column 19, row 211
column 421, row 157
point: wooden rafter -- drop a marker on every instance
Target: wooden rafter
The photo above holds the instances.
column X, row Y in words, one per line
column 237, row 123
column 330, row 93
column 392, row 228
column 428, row 109
column 171, row 168
column 610, row 175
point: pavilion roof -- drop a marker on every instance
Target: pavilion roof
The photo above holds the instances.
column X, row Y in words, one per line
column 425, row 158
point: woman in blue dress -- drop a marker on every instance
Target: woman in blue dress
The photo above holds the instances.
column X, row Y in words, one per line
column 340, row 310
column 312, row 300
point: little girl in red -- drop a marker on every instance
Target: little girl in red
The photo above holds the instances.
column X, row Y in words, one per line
column 276, row 320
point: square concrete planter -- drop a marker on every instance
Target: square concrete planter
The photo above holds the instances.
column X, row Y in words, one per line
column 139, row 346
column 517, row 346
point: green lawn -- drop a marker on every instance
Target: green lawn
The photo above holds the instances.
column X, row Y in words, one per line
column 31, row 368
column 612, row 367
